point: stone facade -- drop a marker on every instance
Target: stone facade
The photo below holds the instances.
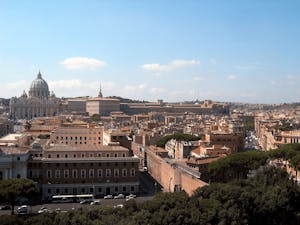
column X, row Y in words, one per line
column 38, row 102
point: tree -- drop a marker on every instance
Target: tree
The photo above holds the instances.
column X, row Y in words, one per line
column 95, row 117
column 236, row 166
column 12, row 189
column 177, row 136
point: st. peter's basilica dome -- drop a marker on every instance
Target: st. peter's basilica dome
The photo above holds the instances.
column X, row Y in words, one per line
column 39, row 88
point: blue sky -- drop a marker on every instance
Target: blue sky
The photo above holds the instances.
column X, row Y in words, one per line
column 245, row 51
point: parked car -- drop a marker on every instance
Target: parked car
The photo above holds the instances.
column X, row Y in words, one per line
column 95, row 202
column 86, row 201
column 119, row 196
column 43, row 209
column 119, row 206
column 108, row 197
column 131, row 196
column 24, row 209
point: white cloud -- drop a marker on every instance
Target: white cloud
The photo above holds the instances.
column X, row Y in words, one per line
column 75, row 63
column 19, row 85
column 232, row 77
column 8, row 90
column 175, row 64
column 77, row 87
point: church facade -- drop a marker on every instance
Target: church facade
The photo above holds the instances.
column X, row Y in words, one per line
column 38, row 103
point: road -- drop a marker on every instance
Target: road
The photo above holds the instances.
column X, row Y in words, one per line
column 74, row 206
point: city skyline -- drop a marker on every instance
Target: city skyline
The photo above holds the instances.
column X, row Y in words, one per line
column 171, row 50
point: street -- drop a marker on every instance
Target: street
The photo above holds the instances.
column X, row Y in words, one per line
column 73, row 206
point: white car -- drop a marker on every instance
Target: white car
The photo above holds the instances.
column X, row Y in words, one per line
column 131, row 196
column 108, row 197
column 95, row 202
column 43, row 209
column 24, row 209
column 119, row 196
column 119, row 206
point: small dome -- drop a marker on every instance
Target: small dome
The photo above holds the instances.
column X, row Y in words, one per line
column 39, row 88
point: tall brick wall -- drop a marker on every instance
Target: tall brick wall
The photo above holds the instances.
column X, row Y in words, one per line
column 168, row 175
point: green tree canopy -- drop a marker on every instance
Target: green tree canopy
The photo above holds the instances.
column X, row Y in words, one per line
column 13, row 189
column 96, row 118
column 236, row 166
column 177, row 136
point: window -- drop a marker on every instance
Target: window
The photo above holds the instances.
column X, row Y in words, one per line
column 99, row 173
column 132, row 172
column 108, row 172
column 74, row 156
column 132, row 188
column 82, row 155
column 57, row 173
column 116, row 189
column 116, row 172
column 124, row 155
column 74, row 173
column 49, row 155
column 49, row 173
column 116, row 155
column 66, row 173
column 107, row 155
column 83, row 173
column 99, row 189
column 66, row 155
column 124, row 189
column 91, row 173
column 66, row 190
column 57, row 156
column 124, row 172
column 99, row 154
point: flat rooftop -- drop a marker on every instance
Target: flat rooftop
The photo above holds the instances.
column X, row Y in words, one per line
column 10, row 137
